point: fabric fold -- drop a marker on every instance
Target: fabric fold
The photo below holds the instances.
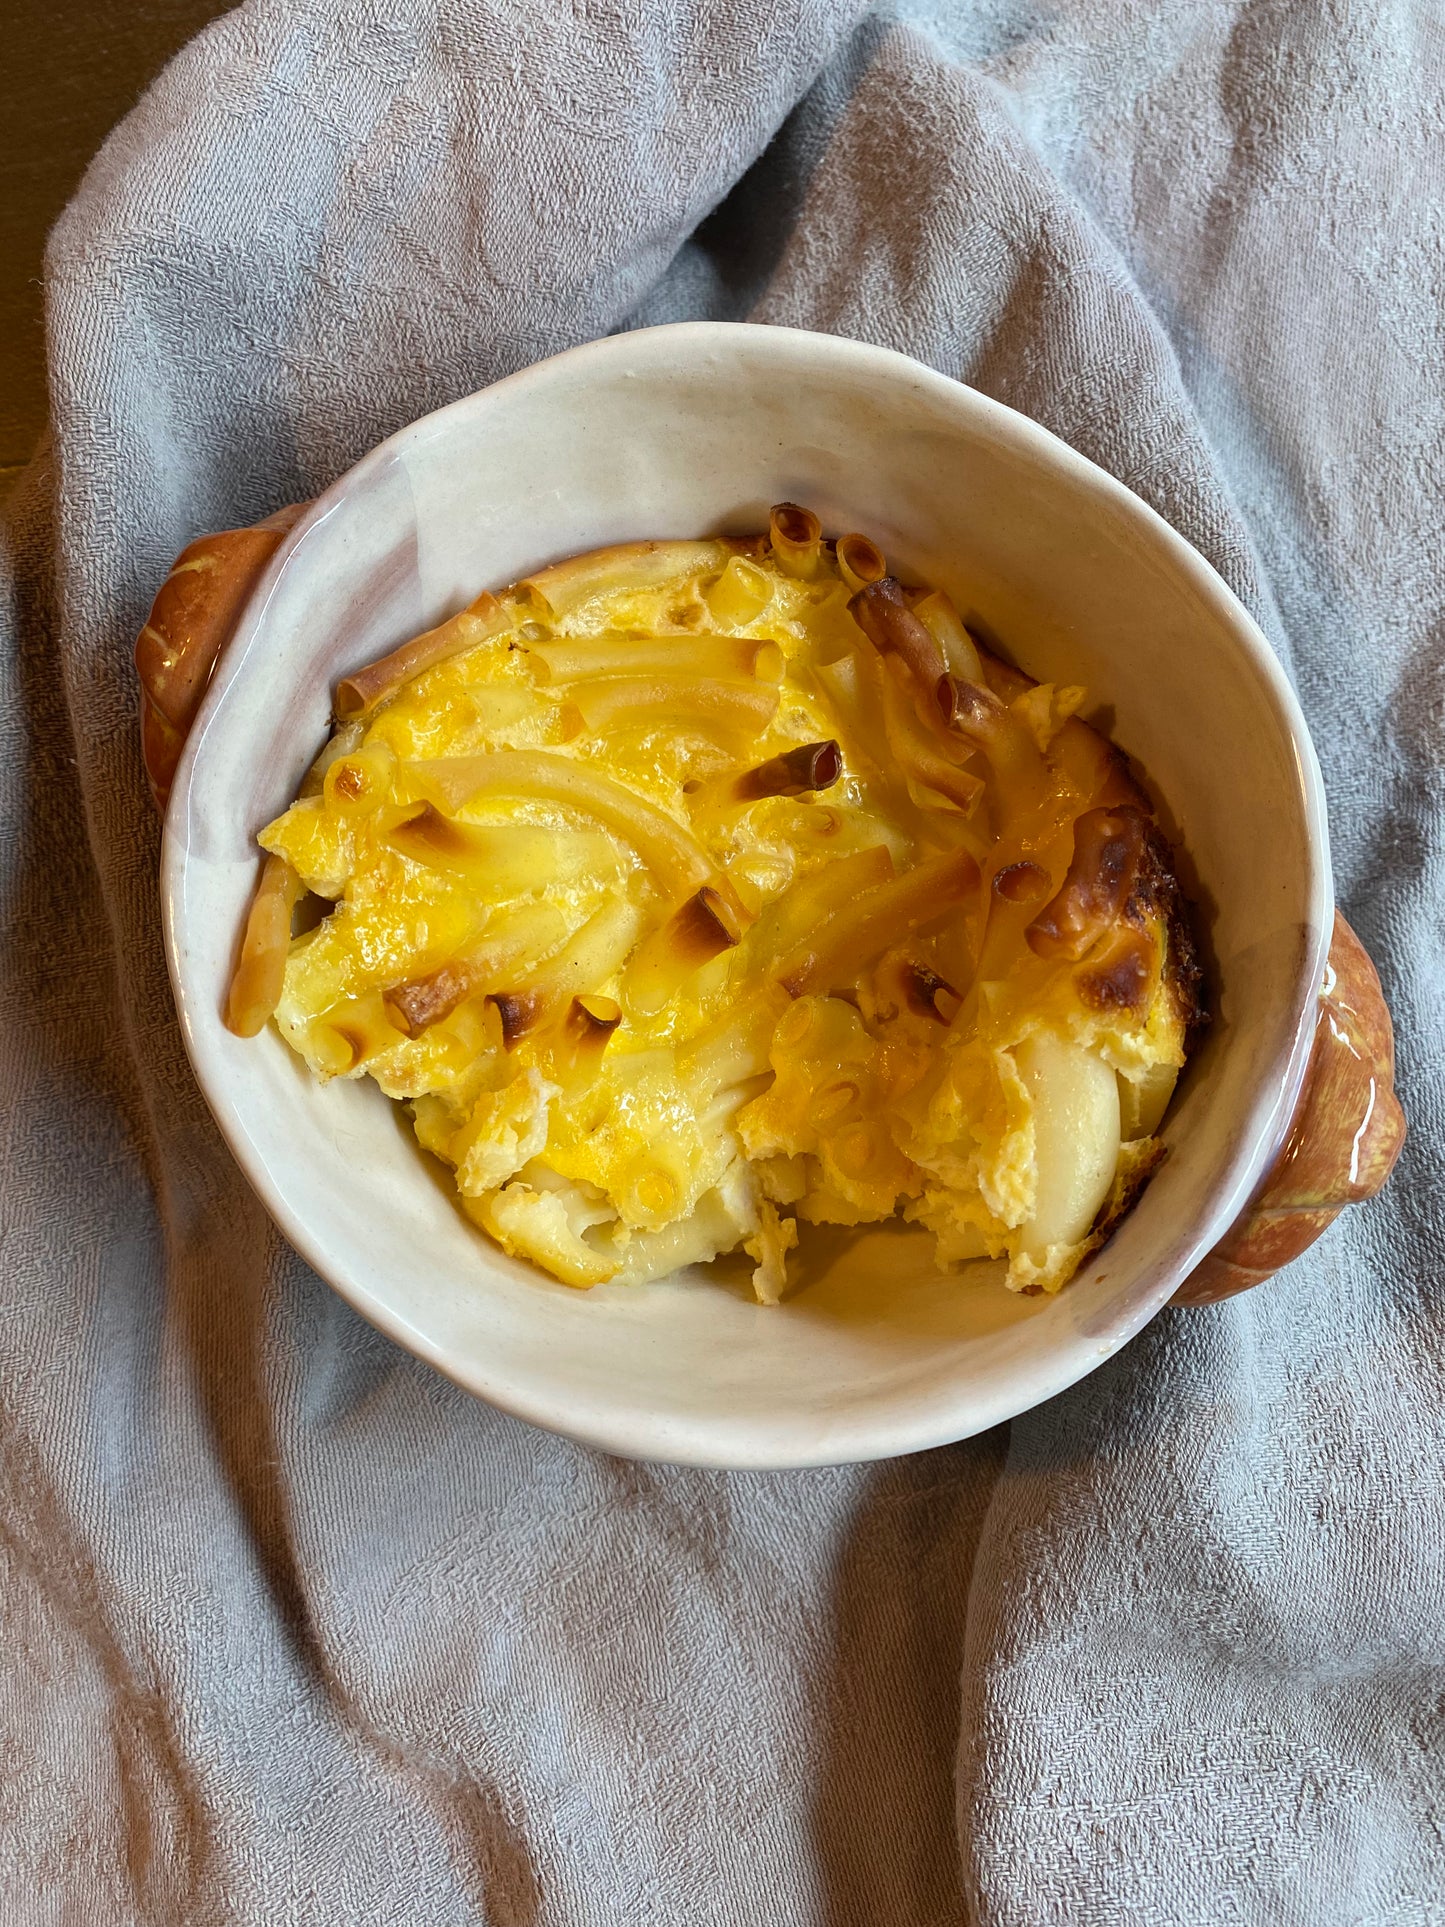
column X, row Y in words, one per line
column 296, row 1630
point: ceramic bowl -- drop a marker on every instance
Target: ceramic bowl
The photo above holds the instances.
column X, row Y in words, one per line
column 680, row 431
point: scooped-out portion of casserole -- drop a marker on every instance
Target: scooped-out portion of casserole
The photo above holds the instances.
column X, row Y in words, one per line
column 688, row 892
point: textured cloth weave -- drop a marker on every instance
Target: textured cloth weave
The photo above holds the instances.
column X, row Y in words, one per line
column 294, row 1631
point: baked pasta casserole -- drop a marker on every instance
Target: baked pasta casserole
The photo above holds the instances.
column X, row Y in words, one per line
column 691, row 892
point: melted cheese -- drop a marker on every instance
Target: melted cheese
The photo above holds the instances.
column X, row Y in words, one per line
column 736, row 1066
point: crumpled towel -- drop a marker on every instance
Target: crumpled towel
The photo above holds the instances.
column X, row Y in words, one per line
column 294, row 1630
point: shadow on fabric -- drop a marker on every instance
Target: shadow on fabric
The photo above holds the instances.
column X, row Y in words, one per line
column 883, row 1813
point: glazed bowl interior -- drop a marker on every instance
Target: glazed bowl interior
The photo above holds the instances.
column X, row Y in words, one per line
column 677, row 432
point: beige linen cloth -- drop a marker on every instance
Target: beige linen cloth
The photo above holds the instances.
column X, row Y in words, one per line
column 293, row 1631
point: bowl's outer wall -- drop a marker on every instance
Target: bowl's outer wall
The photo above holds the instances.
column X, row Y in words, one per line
column 673, row 432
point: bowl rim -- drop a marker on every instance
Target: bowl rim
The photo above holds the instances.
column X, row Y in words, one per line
column 641, row 1433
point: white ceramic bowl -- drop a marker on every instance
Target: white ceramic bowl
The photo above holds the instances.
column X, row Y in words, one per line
column 675, row 432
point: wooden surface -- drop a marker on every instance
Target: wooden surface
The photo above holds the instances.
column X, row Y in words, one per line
column 70, row 70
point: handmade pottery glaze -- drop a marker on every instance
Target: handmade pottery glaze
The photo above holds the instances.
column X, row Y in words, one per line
column 694, row 429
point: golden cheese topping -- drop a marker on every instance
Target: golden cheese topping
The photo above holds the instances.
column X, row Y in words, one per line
column 690, row 891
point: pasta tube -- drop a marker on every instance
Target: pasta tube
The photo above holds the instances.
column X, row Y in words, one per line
column 922, row 757
column 585, row 962
column 509, row 947
column 1076, row 1140
column 796, row 535
column 838, row 953
column 500, row 860
column 364, row 690
column 740, row 594
column 622, row 702
column 256, row 986
column 859, row 562
column 677, row 860
column 943, row 622
column 697, row 931
column 568, row 586
column 882, row 612
column 703, row 658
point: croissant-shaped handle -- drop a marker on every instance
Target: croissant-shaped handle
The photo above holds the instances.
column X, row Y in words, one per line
column 190, row 623
column 1348, row 1126
column 1343, row 1141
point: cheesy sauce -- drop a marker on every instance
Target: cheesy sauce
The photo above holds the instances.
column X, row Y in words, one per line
column 691, row 892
